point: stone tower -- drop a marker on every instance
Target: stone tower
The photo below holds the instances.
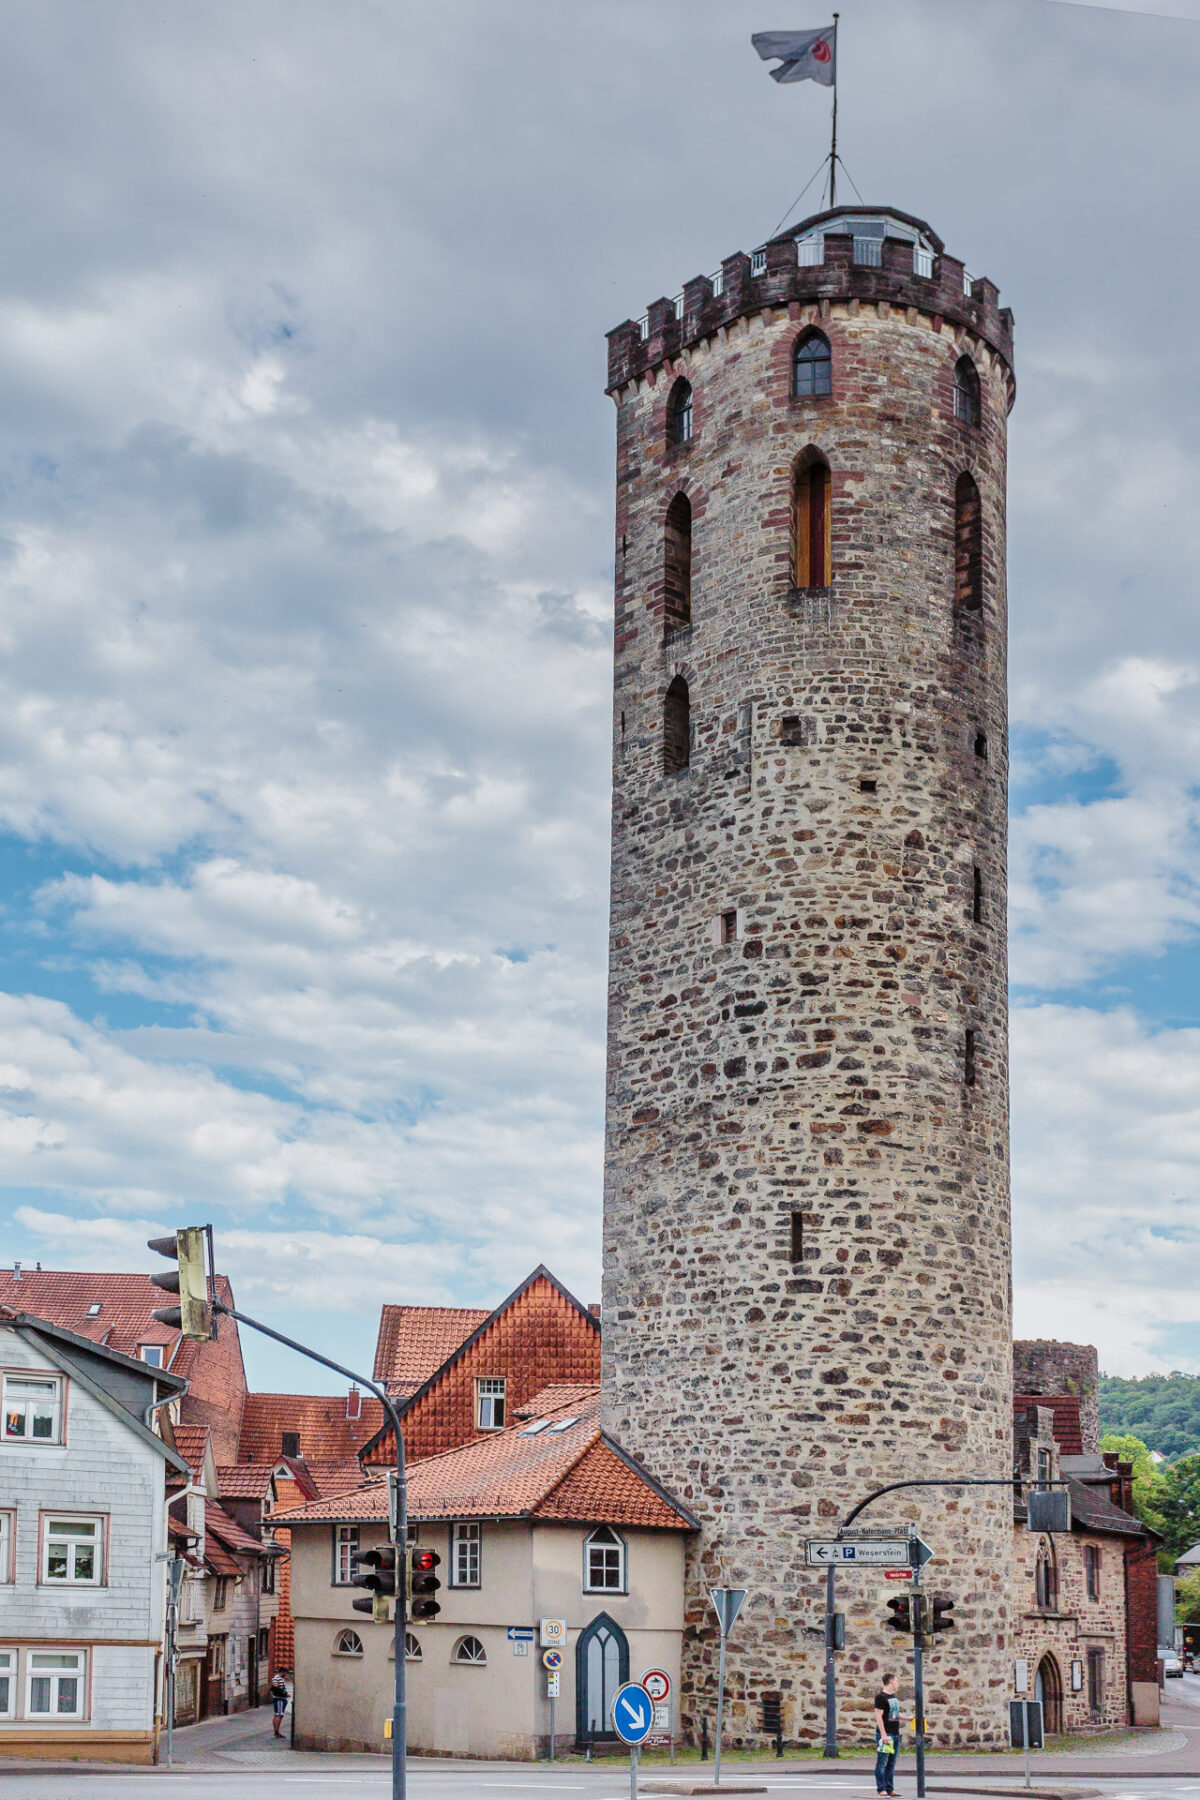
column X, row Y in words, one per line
column 806, row 1232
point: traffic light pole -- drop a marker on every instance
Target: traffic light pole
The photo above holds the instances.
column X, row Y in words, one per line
column 399, row 1703
column 919, row 1679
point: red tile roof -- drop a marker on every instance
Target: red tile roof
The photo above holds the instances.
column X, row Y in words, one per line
column 1068, row 1430
column 213, row 1370
column 326, row 1434
column 550, row 1474
column 218, row 1523
column 414, row 1342
column 555, row 1396
column 191, row 1441
column 245, row 1481
column 539, row 1334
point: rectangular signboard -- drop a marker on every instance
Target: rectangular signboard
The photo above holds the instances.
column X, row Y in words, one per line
column 882, row 1553
column 521, row 1633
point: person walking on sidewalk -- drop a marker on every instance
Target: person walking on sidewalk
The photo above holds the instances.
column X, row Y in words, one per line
column 279, row 1700
column 887, row 1735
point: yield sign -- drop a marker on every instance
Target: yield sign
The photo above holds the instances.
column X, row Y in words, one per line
column 727, row 1603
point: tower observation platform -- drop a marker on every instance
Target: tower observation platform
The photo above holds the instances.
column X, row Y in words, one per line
column 806, row 1226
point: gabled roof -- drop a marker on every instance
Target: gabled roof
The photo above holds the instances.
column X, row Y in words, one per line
column 245, row 1481
column 1068, row 1429
column 1093, row 1510
column 124, row 1386
column 575, row 1473
column 319, row 1420
column 554, row 1397
column 218, row 1523
column 191, row 1441
column 414, row 1342
column 213, row 1369
column 540, row 1330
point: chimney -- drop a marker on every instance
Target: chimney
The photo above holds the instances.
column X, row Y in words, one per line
column 353, row 1404
column 16, row 1271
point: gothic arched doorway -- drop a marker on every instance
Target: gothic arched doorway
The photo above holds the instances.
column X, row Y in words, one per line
column 1047, row 1688
column 601, row 1665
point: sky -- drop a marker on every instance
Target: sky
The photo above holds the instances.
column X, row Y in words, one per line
column 305, row 612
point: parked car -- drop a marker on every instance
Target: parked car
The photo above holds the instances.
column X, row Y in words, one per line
column 1172, row 1665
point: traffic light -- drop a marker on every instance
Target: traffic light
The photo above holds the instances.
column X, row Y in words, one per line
column 380, row 1577
column 919, row 1613
column 942, row 1608
column 193, row 1315
column 423, row 1584
column 900, row 1608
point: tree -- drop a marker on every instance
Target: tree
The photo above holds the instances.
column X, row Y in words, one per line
column 1163, row 1410
column 1149, row 1479
column 1178, row 1506
column 1187, row 1600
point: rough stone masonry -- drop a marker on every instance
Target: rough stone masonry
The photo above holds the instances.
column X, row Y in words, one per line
column 806, row 1237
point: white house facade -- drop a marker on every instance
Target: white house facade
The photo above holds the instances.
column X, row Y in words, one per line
column 83, row 1543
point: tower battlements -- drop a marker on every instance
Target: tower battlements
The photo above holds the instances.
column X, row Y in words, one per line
column 869, row 254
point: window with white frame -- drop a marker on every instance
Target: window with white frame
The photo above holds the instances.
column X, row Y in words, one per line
column 604, row 1562
column 191, row 1604
column 6, row 1546
column 412, row 1648
column 33, row 1409
column 489, row 1403
column 470, row 1650
column 465, row 1545
column 348, row 1644
column 54, row 1684
column 72, row 1550
column 8, row 1682
column 152, row 1354
column 345, row 1549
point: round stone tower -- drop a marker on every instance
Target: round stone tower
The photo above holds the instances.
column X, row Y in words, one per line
column 806, row 1227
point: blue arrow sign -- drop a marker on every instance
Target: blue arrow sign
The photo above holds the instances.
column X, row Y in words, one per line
column 632, row 1713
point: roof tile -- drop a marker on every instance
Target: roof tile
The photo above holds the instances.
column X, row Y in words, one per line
column 414, row 1342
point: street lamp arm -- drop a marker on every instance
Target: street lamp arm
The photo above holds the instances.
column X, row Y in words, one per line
column 1013, row 1481
column 400, row 1703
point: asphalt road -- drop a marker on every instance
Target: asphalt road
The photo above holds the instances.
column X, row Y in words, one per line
column 465, row 1782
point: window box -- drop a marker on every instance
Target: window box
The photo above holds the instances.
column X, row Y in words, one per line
column 33, row 1409
column 72, row 1550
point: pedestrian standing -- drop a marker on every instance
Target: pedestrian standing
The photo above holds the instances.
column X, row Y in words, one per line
column 887, row 1735
column 279, row 1700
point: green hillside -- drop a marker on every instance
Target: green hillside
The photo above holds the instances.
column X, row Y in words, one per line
column 1162, row 1410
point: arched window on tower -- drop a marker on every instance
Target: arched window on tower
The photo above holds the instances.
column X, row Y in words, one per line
column 812, row 366
column 966, row 392
column 677, row 728
column 679, row 413
column 968, row 546
column 677, row 564
column 811, row 526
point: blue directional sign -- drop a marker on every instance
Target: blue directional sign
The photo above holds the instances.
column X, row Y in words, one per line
column 632, row 1713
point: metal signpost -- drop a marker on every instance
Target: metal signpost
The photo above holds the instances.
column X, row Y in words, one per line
column 657, row 1684
column 1025, row 1728
column 863, row 1550
column 552, row 1663
column 633, row 1718
column 919, row 1555
column 727, row 1604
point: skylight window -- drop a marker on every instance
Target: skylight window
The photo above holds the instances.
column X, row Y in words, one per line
column 564, row 1424
column 532, row 1430
column 93, row 1311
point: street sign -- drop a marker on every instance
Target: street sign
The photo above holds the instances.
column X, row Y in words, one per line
column 553, row 1631
column 657, row 1684
column 632, row 1713
column 728, row 1604
column 521, row 1633
column 552, row 1685
column 520, row 1646
column 919, row 1552
column 864, row 1552
column 552, row 1659
column 662, row 1718
column 897, row 1574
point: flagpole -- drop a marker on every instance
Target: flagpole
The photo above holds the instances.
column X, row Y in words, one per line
column 833, row 147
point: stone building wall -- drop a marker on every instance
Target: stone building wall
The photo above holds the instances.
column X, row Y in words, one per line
column 802, row 1088
column 1075, row 1624
column 1046, row 1366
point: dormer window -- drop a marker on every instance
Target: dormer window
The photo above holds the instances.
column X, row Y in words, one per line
column 152, row 1354
column 489, row 1403
column 93, row 1311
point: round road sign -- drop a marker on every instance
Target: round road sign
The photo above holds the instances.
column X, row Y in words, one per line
column 552, row 1659
column 632, row 1713
column 657, row 1684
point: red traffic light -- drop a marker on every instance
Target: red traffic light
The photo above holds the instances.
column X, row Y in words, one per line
column 425, row 1561
column 901, row 1610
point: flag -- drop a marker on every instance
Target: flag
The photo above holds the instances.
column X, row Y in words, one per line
column 805, row 55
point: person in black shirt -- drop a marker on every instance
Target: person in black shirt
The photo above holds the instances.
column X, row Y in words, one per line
column 887, row 1735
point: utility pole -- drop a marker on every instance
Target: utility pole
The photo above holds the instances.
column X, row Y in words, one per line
column 918, row 1622
column 831, row 1748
